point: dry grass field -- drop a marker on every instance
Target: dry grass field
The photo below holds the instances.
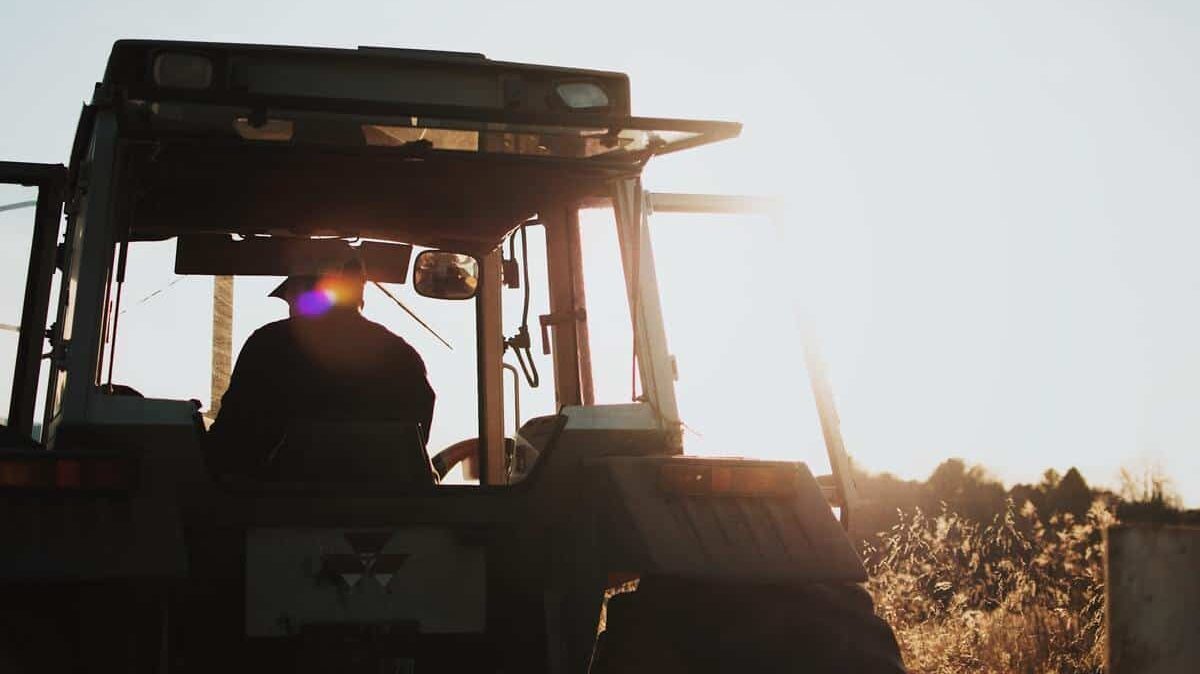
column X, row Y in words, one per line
column 1015, row 595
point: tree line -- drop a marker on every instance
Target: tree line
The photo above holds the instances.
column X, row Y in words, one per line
column 1144, row 495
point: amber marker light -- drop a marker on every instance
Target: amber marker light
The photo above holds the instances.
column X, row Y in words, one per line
column 723, row 480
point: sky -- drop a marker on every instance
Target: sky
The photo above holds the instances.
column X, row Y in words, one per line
column 990, row 216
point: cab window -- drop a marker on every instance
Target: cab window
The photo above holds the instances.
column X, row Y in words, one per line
column 16, row 231
column 159, row 340
column 732, row 317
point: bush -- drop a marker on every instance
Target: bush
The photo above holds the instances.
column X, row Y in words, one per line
column 1013, row 595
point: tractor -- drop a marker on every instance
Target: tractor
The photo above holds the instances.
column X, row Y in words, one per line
column 579, row 539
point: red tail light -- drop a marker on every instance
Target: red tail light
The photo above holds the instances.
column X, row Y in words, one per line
column 68, row 474
column 77, row 471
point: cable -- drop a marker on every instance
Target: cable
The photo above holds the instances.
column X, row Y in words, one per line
column 154, row 294
column 521, row 342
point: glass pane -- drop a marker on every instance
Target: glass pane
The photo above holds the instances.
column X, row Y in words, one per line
column 163, row 327
column 451, row 371
column 534, row 401
column 16, row 234
column 732, row 324
column 609, row 328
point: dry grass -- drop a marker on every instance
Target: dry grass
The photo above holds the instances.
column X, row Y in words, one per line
column 1016, row 595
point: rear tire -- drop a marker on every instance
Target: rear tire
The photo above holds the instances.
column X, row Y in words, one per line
column 670, row 625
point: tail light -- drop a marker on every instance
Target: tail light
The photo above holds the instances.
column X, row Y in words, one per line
column 698, row 479
column 77, row 471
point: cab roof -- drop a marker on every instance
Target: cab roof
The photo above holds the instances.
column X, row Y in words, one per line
column 438, row 148
column 352, row 80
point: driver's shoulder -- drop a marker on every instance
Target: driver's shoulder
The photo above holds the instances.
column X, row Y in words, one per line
column 275, row 330
column 378, row 330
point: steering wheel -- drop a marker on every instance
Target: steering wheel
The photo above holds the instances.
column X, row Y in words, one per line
column 445, row 460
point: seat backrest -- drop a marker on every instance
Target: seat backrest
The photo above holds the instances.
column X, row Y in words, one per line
column 379, row 454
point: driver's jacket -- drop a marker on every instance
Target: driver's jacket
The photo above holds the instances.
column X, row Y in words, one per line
column 339, row 366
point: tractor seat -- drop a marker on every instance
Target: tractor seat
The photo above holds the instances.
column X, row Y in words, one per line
column 353, row 454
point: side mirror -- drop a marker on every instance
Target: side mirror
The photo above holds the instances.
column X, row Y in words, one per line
column 445, row 276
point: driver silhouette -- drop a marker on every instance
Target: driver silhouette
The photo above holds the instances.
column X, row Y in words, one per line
column 325, row 362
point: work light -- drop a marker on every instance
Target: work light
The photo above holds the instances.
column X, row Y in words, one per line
column 179, row 70
column 582, row 95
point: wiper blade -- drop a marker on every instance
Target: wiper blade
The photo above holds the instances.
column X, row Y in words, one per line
column 410, row 312
column 19, row 204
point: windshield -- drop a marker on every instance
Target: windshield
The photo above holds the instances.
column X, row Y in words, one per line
column 168, row 341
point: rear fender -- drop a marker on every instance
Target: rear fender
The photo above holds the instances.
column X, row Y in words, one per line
column 788, row 535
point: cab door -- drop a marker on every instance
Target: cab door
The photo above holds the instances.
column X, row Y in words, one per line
column 839, row 487
column 31, row 204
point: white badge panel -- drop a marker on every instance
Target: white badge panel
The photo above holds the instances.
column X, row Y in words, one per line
column 299, row 576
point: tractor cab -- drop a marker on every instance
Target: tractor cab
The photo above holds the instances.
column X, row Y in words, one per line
column 201, row 176
column 246, row 162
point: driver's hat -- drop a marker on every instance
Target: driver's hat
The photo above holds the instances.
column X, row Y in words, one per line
column 348, row 271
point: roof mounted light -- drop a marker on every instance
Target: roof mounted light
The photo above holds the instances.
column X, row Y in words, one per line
column 582, row 96
column 178, row 70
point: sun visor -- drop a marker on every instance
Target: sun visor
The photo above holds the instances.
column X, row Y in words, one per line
column 222, row 255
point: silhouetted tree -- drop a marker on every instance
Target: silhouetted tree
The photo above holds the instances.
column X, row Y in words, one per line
column 1028, row 493
column 1050, row 480
column 969, row 491
column 1070, row 495
column 1147, row 496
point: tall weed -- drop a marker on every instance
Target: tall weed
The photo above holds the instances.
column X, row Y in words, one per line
column 1015, row 595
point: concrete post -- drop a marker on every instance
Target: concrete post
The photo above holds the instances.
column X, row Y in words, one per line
column 1153, row 599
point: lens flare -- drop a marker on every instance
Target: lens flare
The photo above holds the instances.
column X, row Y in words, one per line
column 314, row 302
